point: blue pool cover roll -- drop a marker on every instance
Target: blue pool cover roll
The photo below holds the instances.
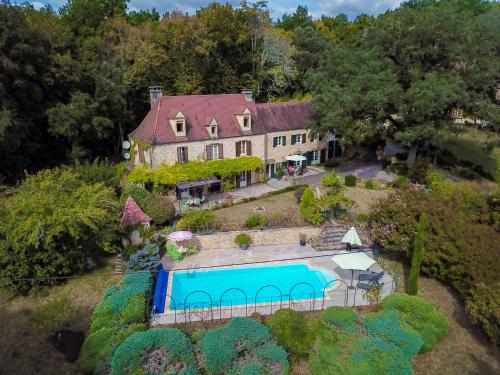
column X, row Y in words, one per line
column 160, row 291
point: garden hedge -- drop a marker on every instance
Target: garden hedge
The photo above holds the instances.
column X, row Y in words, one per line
column 342, row 318
column 423, row 317
column 121, row 312
column 161, row 350
column 242, row 346
column 292, row 330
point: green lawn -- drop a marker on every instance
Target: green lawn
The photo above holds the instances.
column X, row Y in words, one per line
column 471, row 147
column 25, row 347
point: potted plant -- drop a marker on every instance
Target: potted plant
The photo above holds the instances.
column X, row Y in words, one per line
column 280, row 173
column 243, row 240
column 302, row 239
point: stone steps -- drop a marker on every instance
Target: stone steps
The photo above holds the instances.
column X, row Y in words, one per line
column 331, row 234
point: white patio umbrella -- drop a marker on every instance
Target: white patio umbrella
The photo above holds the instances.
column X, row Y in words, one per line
column 353, row 261
column 179, row 237
column 296, row 158
column 351, row 237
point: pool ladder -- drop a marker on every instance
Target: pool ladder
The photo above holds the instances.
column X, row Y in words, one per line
column 191, row 271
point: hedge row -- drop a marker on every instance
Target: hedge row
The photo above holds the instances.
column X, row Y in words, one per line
column 121, row 313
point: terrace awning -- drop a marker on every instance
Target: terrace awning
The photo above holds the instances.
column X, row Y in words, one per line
column 205, row 181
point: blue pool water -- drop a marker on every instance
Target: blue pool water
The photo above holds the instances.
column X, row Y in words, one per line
column 189, row 288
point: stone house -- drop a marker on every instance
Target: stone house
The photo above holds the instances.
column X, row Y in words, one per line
column 179, row 129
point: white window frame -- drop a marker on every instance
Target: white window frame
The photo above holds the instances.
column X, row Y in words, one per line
column 279, row 142
column 182, row 154
column 298, row 138
column 243, row 148
column 315, row 158
column 213, row 130
column 214, row 151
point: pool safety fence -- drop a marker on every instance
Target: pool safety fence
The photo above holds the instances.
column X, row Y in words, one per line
column 201, row 306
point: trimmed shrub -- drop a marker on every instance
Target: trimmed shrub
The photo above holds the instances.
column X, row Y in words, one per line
column 137, row 192
column 161, row 350
column 256, row 221
column 388, row 325
column 99, row 347
column 196, row 220
column 350, row 180
column 121, row 312
column 160, row 208
column 243, row 239
column 221, row 347
column 372, row 185
column 146, row 259
column 417, row 257
column 342, row 318
column 332, row 180
column 309, row 208
column 293, row 331
column 423, row 317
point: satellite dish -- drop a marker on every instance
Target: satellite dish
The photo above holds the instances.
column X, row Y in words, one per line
column 126, row 145
column 126, row 156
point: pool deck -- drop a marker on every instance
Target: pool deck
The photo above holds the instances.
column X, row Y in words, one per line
column 339, row 295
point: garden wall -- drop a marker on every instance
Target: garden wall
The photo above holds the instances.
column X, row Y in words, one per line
column 224, row 240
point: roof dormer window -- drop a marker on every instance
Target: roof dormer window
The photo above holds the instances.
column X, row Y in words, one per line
column 178, row 123
column 244, row 117
column 246, row 122
column 179, row 126
column 212, row 127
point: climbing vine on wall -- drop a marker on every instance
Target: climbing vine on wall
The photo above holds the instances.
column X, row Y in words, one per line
column 194, row 170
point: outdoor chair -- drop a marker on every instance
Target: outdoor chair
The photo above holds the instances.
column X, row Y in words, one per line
column 372, row 276
column 368, row 285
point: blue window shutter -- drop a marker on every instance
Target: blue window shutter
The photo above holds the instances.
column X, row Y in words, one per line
column 294, row 139
column 275, row 141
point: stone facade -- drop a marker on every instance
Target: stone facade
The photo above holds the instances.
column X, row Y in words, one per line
column 225, row 240
column 279, row 153
column 167, row 153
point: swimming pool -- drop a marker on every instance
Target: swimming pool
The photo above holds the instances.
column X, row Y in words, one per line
column 260, row 284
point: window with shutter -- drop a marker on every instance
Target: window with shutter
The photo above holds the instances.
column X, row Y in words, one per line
column 182, row 154
column 221, row 154
column 238, row 148
column 249, row 148
column 283, row 140
column 303, row 138
column 294, row 139
column 209, row 152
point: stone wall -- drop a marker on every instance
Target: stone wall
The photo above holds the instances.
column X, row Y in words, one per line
column 224, row 240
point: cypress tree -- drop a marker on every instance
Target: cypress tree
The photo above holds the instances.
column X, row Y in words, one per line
column 417, row 256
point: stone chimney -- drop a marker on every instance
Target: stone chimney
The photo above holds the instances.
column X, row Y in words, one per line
column 248, row 95
column 154, row 94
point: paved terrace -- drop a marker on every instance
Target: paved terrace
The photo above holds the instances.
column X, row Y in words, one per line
column 339, row 295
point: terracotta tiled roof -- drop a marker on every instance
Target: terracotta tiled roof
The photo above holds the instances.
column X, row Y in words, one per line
column 284, row 116
column 132, row 214
column 156, row 129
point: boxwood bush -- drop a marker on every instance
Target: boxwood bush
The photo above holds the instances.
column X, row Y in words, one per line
column 342, row 318
column 121, row 312
column 256, row 221
column 242, row 346
column 293, row 331
column 423, row 317
column 155, row 351
column 350, row 180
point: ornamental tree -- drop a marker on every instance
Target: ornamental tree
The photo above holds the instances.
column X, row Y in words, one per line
column 52, row 224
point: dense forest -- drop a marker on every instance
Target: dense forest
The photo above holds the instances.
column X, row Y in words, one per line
column 74, row 82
